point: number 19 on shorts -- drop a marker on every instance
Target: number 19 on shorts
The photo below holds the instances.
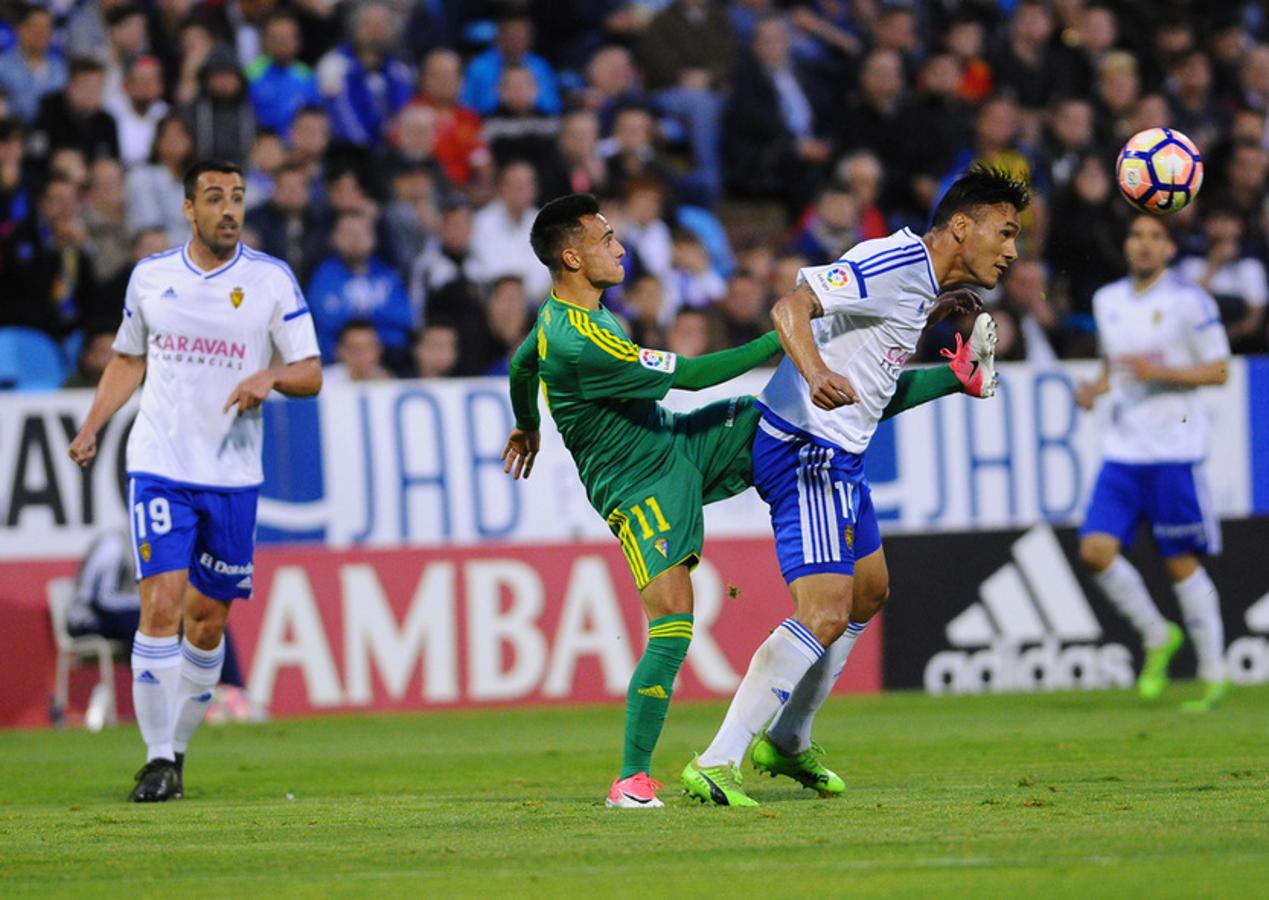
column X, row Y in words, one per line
column 153, row 518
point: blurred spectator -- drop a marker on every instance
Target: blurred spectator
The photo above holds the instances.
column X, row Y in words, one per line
column 1195, row 111
column 935, row 123
column 1026, row 296
column 361, row 82
column 861, row 174
column 221, row 120
column 832, row 227
column 507, row 322
column 445, row 261
column 644, row 301
column 285, row 225
column 280, row 85
column 156, row 195
column 69, row 163
column 245, row 21
column 630, row 152
column 513, row 45
column 872, row 118
column 1031, row 65
column 611, row 82
column 578, row 166
column 145, row 242
column 412, row 144
column 459, row 147
column 30, row 69
column 742, row 314
column 354, row 283
column 775, row 131
column 1244, row 189
column 265, row 158
column 688, row 334
column 1118, row 89
column 435, row 351
column 1246, row 126
column 138, row 109
column 359, row 355
column 895, row 29
column 500, row 231
column 413, row 211
column 643, row 229
column 105, row 219
column 310, row 138
column 94, row 356
column 1085, row 248
column 17, row 193
column 1253, row 78
column 1070, row 135
column 48, row 277
column 197, row 43
column 1093, row 33
column 1235, row 278
column 691, row 280
column 688, row 54
column 73, row 116
column 784, row 273
column 126, row 39
column 966, row 40
column 514, row 129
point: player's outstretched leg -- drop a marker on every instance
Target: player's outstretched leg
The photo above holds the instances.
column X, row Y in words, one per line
column 974, row 363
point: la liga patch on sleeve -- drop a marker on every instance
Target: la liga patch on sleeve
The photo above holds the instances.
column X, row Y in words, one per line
column 658, row 360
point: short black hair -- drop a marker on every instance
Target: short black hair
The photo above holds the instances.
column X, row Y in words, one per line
column 982, row 185
column 356, row 323
column 208, row 165
column 557, row 223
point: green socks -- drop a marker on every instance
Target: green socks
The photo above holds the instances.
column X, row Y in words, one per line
column 648, row 697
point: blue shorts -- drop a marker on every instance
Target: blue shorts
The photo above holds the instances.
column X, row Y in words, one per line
column 821, row 506
column 209, row 532
column 1171, row 497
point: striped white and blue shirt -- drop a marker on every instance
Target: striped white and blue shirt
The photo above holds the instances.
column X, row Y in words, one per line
column 876, row 299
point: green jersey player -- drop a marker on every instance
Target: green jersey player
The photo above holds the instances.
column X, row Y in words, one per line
column 648, row 472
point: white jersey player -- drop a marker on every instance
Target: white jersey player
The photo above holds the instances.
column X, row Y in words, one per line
column 1162, row 338
column 848, row 329
column 201, row 325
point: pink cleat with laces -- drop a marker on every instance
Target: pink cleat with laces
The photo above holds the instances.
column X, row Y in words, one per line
column 639, row 791
column 974, row 363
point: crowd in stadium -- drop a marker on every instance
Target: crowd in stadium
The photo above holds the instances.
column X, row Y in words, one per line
column 396, row 152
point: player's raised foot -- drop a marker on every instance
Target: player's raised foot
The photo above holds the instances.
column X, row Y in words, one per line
column 158, row 780
column 719, row 785
column 1214, row 692
column 639, row 791
column 974, row 363
column 1154, row 671
column 805, row 768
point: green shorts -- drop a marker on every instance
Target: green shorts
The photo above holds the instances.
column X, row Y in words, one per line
column 661, row 521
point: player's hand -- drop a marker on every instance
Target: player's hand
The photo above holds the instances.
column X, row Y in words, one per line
column 830, row 390
column 84, row 447
column 251, row 392
column 521, row 452
column 956, row 302
column 1086, row 394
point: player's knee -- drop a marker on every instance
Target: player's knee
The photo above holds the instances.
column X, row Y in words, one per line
column 828, row 622
column 1097, row 554
column 160, row 614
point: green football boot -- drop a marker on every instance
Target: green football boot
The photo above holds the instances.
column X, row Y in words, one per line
column 805, row 768
column 1154, row 672
column 719, row 785
column 1214, row 692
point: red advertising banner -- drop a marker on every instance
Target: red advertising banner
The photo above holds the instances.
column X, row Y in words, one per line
column 416, row 629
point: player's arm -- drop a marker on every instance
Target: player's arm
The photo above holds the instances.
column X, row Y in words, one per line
column 302, row 378
column 792, row 315
column 295, row 342
column 1087, row 392
column 119, row 381
column 1211, row 373
column 696, row 372
column 1206, row 339
column 525, row 440
column 918, row 386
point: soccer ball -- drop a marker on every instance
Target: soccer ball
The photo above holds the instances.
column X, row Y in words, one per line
column 1159, row 171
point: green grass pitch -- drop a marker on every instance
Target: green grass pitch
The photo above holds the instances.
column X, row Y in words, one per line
column 1073, row 795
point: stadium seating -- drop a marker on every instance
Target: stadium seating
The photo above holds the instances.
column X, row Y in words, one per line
column 29, row 360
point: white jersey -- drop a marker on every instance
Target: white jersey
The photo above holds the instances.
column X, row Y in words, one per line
column 202, row 333
column 876, row 300
column 1176, row 324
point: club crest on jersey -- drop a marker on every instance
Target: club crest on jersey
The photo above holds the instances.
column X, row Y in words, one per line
column 658, row 360
column 144, row 550
column 849, row 534
column 235, row 297
column 1157, row 317
column 663, row 547
column 835, row 278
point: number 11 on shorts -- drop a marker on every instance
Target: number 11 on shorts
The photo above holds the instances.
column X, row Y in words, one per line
column 655, row 509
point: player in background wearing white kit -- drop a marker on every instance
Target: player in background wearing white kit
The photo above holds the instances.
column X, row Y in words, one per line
column 201, row 326
column 848, row 329
column 1162, row 339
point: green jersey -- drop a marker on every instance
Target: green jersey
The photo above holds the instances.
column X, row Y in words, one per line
column 602, row 390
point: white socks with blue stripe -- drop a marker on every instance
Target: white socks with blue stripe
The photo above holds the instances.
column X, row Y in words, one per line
column 775, row 670
column 791, row 730
column 1201, row 608
column 1124, row 588
column 156, row 678
column 200, row 673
